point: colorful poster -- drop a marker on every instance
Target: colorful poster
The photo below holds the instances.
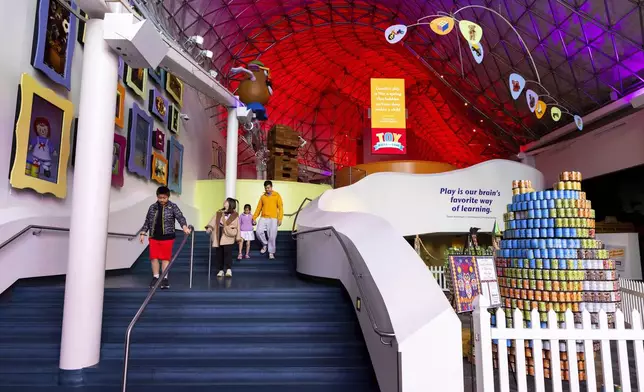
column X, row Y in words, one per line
column 388, row 117
column 465, row 281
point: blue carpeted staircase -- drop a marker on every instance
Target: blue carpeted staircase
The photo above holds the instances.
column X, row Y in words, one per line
column 264, row 329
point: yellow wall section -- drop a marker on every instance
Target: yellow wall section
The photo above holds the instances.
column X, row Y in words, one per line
column 210, row 195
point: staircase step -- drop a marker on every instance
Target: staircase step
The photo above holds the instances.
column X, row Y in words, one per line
column 262, row 331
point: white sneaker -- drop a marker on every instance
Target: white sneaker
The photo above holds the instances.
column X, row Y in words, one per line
column 271, row 256
column 229, row 273
column 221, row 274
column 263, row 250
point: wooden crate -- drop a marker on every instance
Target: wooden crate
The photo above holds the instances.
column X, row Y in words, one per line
column 283, row 136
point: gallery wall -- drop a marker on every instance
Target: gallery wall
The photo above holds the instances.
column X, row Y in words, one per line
column 19, row 208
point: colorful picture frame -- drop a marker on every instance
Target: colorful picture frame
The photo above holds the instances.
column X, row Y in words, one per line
column 158, row 105
column 119, row 118
column 174, row 118
column 158, row 140
column 54, row 41
column 139, row 142
column 174, row 87
column 157, row 75
column 175, row 165
column 137, row 80
column 118, row 160
column 41, row 144
column 465, row 281
column 82, row 28
column 159, row 168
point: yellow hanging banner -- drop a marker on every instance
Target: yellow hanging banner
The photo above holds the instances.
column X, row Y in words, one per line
column 388, row 103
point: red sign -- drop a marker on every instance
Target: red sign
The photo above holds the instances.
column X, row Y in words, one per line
column 389, row 141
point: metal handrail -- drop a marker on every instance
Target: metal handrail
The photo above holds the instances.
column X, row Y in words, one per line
column 139, row 313
column 358, row 277
column 297, row 213
column 39, row 229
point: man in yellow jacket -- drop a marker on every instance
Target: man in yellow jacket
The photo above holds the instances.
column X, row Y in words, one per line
column 270, row 211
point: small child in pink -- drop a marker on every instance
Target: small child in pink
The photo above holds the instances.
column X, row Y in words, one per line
column 246, row 229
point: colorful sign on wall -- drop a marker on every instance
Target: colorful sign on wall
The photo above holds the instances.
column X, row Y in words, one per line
column 388, row 117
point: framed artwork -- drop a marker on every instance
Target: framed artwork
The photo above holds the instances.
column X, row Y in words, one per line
column 81, row 28
column 139, row 142
column 158, row 140
column 157, row 75
column 41, row 144
column 121, row 68
column 54, row 41
column 119, row 118
column 174, row 118
column 465, row 281
column 137, row 80
column 159, row 168
column 158, row 105
column 118, row 161
column 174, row 87
column 175, row 165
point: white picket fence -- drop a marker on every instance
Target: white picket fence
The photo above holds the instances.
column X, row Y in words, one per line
column 484, row 334
column 632, row 298
column 439, row 275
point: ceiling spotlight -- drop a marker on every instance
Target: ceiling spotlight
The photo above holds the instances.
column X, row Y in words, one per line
column 206, row 53
column 213, row 73
column 481, row 120
column 465, row 103
column 195, row 40
column 488, row 144
column 473, row 130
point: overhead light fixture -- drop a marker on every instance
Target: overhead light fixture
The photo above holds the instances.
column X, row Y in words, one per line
column 465, row 103
column 195, row 40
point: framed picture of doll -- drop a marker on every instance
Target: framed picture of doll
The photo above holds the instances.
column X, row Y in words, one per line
column 119, row 118
column 118, row 160
column 139, row 142
column 41, row 144
column 174, row 118
column 159, row 168
column 54, row 41
column 81, row 28
column 157, row 75
column 174, row 87
column 158, row 105
column 158, row 140
column 175, row 165
column 137, row 80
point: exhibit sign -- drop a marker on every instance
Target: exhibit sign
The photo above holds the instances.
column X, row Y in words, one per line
column 388, row 117
column 618, row 254
column 487, row 280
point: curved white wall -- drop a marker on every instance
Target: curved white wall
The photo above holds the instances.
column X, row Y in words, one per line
column 372, row 216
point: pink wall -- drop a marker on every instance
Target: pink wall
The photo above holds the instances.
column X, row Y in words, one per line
column 614, row 147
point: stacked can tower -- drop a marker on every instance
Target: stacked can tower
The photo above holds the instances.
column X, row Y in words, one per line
column 549, row 259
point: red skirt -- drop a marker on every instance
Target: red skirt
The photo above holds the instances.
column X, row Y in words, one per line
column 161, row 249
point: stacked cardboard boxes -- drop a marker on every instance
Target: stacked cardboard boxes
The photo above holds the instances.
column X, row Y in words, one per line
column 283, row 143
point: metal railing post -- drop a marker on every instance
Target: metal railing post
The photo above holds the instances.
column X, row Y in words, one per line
column 209, row 259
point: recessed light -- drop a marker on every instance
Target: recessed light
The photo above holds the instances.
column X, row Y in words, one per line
column 465, row 103
column 473, row 130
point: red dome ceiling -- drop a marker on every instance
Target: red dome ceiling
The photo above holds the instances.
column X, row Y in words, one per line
column 323, row 53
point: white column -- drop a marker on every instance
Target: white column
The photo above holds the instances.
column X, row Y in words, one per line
column 232, row 138
column 84, row 286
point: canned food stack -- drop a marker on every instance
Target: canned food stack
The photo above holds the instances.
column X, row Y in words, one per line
column 549, row 259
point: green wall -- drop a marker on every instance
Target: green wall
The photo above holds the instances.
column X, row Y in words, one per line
column 210, row 195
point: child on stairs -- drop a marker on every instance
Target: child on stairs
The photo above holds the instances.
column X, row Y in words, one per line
column 247, row 233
